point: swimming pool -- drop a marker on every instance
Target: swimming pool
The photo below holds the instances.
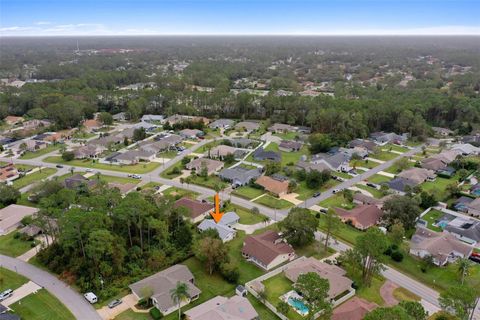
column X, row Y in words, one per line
column 442, row 224
column 298, row 305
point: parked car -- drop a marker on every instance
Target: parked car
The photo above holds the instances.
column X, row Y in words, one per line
column 371, row 185
column 136, row 176
column 114, row 303
column 336, row 191
column 91, row 297
column 316, row 194
column 59, row 166
column 323, row 210
column 6, row 294
column 89, row 170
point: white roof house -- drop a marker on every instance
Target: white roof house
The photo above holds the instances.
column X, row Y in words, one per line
column 222, row 308
column 11, row 217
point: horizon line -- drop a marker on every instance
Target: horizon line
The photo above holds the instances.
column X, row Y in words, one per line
column 244, row 35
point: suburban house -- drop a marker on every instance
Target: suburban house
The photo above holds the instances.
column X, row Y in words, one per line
column 242, row 142
column 197, row 210
column 162, row 283
column 417, row 175
column 133, row 156
column 443, row 247
column 274, row 186
column 11, row 217
column 461, row 203
column 222, row 308
column 433, row 164
column 382, row 138
column 367, row 144
column 340, row 285
column 76, row 180
column 88, row 151
column 121, row 116
column 308, row 166
column 444, row 132
column 267, row 250
column 152, row 118
column 466, row 230
column 473, row 207
column 338, row 161
column 178, row 118
column 223, row 227
column 400, row 185
column 360, row 198
column 162, row 143
column 13, row 120
column 239, row 176
column 190, row 133
column 124, row 188
column 34, row 145
column 466, row 149
column 261, row 155
column 199, row 164
column 354, row 309
column 222, row 123
column 220, row 151
column 289, row 146
column 36, row 124
column 8, row 173
column 92, row 125
column 361, row 217
column 281, row 128
column 248, row 126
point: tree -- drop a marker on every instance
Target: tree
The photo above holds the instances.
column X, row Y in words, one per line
column 139, row 134
column 390, row 313
column 414, row 309
column 347, row 195
column 332, row 224
column 314, row 290
column 68, row 156
column 299, row 227
column 272, row 167
column 427, row 200
column 401, row 209
column 397, row 232
column 255, row 210
column 8, row 195
column 453, row 190
column 179, row 294
column 292, row 185
column 212, row 252
column 462, row 174
column 229, row 158
column 463, row 266
column 459, row 299
column 283, row 308
column 402, row 164
column 370, row 248
column 105, row 118
column 319, row 142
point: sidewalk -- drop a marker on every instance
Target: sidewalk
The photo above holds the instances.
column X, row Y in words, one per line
column 20, row 293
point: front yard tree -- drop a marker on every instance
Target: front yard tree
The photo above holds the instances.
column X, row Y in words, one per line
column 427, row 200
column 8, row 195
column 68, row 156
column 139, row 134
column 299, row 227
column 460, row 299
column 402, row 164
column 370, row 247
column 272, row 167
column 283, row 308
column 463, row 266
column 314, row 290
column 332, row 224
column 397, row 232
column 414, row 309
column 212, row 252
column 179, row 294
column 390, row 313
column 402, row 209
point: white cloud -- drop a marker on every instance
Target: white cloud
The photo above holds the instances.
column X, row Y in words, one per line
column 42, row 23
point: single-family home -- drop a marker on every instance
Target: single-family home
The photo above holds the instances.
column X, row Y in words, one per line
column 8, row 172
column 124, row 188
column 338, row 161
column 340, row 285
column 274, row 186
column 152, row 118
column 239, row 176
column 473, row 207
column 34, row 145
column 222, row 308
column 178, row 118
column 210, row 165
column 461, row 203
column 384, row 137
column 197, row 210
column 76, row 180
column 261, row 154
column 466, row 230
column 221, row 151
column 444, row 132
column 121, row 116
column 354, row 309
column 242, row 142
column 222, row 124
column 36, row 124
column 281, row 128
column 417, row 175
column 443, row 247
column 88, row 151
column 433, row 164
column 13, row 120
column 223, row 227
column 133, row 156
column 361, row 217
column 309, row 166
column 363, row 143
column 289, row 146
column 190, row 133
column 267, row 250
column 12, row 215
column 92, row 125
column 466, row 149
column 162, row 283
column 360, row 198
column 248, row 126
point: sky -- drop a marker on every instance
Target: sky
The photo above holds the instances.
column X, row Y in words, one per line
column 239, row 17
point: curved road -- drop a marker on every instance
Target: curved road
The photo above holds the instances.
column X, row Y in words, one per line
column 75, row 302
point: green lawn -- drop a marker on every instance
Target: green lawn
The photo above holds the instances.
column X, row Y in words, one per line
column 438, row 187
column 364, row 164
column 246, row 217
column 41, row 306
column 13, row 247
column 248, row 192
column 273, row 202
column 345, row 233
column 287, row 157
column 384, row 155
column 431, row 217
column 263, row 312
column 395, row 169
column 168, row 173
column 33, row 177
column 122, row 180
column 168, row 154
column 10, row 279
column 151, row 185
column 395, row 147
column 375, row 192
column 287, row 136
column 277, row 286
column 139, row 168
column 178, row 193
column 210, row 182
column 336, row 200
column 41, row 152
column 371, row 293
column 378, row 179
column 305, row 193
column 131, row 315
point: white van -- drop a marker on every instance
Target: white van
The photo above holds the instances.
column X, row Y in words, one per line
column 91, row 297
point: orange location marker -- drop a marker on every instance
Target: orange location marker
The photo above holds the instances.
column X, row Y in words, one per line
column 216, row 215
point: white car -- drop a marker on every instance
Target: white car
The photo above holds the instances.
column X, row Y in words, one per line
column 336, row 191
column 89, row 170
column 91, row 297
column 136, row 176
column 6, row 294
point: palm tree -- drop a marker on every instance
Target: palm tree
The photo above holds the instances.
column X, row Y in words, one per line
column 179, row 294
column 463, row 267
column 266, row 220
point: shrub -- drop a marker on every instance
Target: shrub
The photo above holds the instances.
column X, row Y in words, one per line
column 155, row 314
column 230, row 272
column 397, row 256
column 68, row 156
column 317, row 215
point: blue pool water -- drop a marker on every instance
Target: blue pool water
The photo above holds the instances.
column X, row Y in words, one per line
column 442, row 224
column 299, row 305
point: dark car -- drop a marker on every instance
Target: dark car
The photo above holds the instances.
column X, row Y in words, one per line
column 316, row 194
column 59, row 166
column 114, row 303
column 372, row 185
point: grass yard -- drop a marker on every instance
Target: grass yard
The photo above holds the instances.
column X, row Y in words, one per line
column 378, row 179
column 371, row 293
column 395, row 147
column 431, row 217
column 246, row 217
column 31, row 155
column 395, row 169
column 375, row 192
column 439, row 187
column 11, row 280
column 248, row 270
column 139, row 168
column 402, row 294
column 210, row 182
column 305, row 193
column 384, row 155
column 277, row 286
column 316, row 250
column 263, row 312
column 168, row 154
column 345, row 233
column 178, row 193
column 248, row 192
column 41, row 306
column 287, row 136
column 132, row 315
column 33, row 177
column 287, row 157
column 13, row 247
column 151, row 185
column 169, row 174
column 336, row 200
column 363, row 163
column 273, row 202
